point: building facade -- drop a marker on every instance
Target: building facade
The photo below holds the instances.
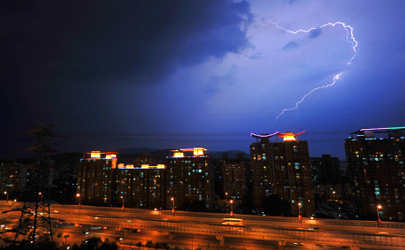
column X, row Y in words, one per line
column 282, row 169
column 325, row 170
column 96, row 178
column 233, row 174
column 326, row 177
column 11, row 179
column 189, row 180
column 141, row 186
column 376, row 167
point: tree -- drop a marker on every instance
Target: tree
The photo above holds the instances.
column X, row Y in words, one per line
column 139, row 244
column 66, row 236
column 59, row 235
column 276, row 206
column 94, row 242
column 166, row 246
column 83, row 246
column 157, row 245
column 108, row 246
column 149, row 244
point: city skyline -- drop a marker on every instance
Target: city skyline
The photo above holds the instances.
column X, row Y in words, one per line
column 200, row 73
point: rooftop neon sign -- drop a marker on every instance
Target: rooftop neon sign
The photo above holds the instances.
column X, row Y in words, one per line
column 287, row 136
column 377, row 129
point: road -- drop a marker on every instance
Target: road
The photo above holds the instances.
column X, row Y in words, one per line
column 257, row 232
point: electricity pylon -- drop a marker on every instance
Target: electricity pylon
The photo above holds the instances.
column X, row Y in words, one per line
column 35, row 223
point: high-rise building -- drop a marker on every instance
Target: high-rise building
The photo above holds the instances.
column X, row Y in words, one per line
column 325, row 170
column 376, row 166
column 326, row 176
column 233, row 175
column 11, row 178
column 189, row 180
column 96, row 178
column 282, row 169
column 141, row 186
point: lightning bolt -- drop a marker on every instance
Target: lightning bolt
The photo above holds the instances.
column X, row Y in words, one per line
column 349, row 38
column 335, row 78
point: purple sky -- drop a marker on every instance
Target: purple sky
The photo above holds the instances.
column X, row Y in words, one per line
column 174, row 74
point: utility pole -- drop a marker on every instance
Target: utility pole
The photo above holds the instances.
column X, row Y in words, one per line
column 35, row 221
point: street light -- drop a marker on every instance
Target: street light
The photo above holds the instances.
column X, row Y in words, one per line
column 378, row 214
column 80, row 199
column 231, row 207
column 123, row 200
column 172, row 199
column 5, row 192
column 40, row 195
column 299, row 211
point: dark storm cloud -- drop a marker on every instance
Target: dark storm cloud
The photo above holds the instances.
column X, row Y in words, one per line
column 105, row 40
column 216, row 81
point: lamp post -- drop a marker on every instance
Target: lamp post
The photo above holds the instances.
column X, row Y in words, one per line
column 123, row 200
column 40, row 195
column 5, row 192
column 80, row 199
column 299, row 211
column 231, row 201
column 172, row 199
column 378, row 214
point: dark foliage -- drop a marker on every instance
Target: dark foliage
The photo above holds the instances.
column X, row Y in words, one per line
column 275, row 206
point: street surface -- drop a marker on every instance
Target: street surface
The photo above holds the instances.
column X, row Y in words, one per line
column 191, row 230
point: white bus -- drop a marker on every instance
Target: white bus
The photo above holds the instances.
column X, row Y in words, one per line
column 232, row 221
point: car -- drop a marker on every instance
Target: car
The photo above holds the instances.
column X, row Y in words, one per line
column 135, row 230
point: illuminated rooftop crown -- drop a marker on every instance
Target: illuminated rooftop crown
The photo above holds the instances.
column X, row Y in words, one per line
column 369, row 132
column 100, row 155
column 287, row 136
column 197, row 151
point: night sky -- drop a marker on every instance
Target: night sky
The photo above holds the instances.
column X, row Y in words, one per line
column 172, row 74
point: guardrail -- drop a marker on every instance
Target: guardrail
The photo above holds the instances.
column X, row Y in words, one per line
column 300, row 235
column 248, row 218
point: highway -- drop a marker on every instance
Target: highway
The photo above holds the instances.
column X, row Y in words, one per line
column 256, row 231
